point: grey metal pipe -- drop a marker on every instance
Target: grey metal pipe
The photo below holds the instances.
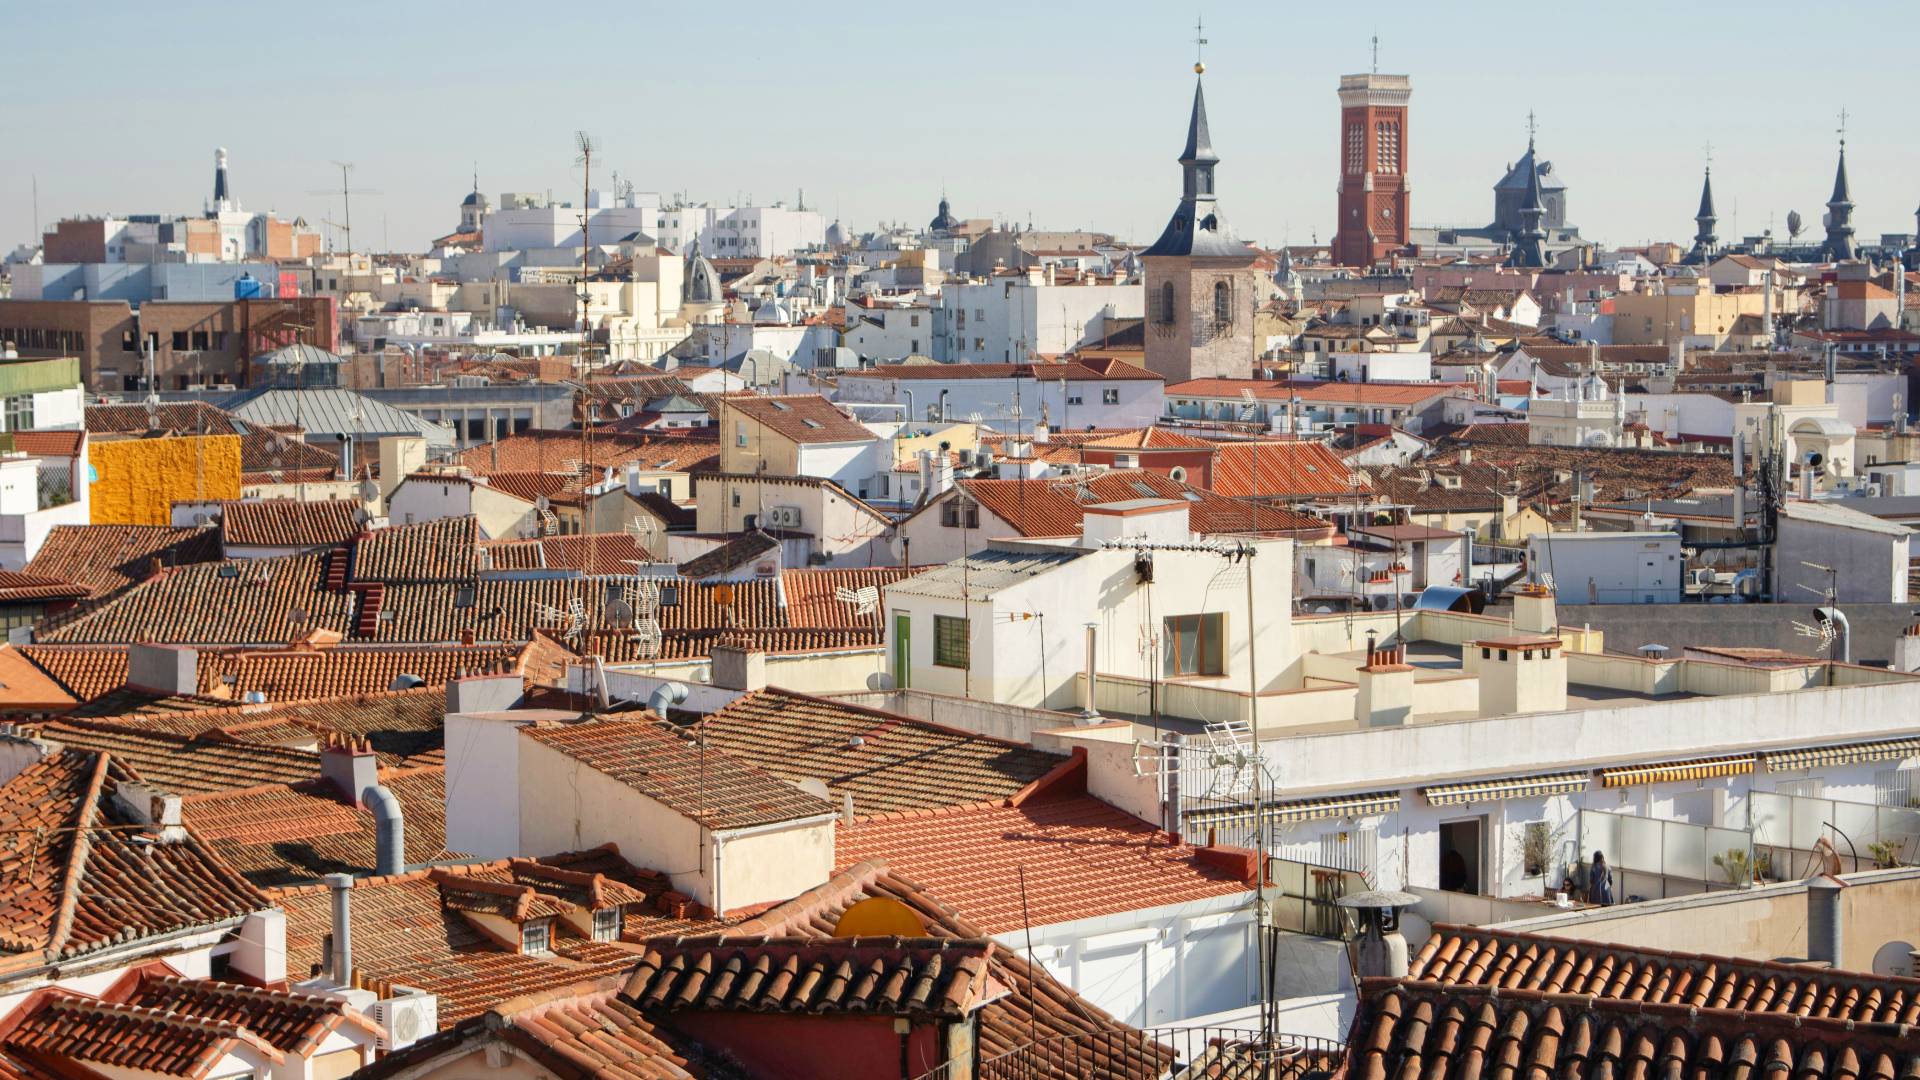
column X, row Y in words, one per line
column 340, row 963
column 390, row 831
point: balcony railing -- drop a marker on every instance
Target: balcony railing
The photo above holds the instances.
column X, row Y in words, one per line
column 1154, row 1053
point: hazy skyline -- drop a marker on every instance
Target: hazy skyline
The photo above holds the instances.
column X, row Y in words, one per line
column 1070, row 113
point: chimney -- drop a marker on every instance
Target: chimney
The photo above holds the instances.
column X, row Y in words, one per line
column 1533, row 610
column 1090, row 709
column 1520, row 674
column 1826, row 936
column 350, row 766
column 340, row 955
column 261, row 957
column 1906, row 650
column 158, row 812
column 737, row 666
column 163, row 669
column 1383, row 688
column 485, row 693
column 390, row 830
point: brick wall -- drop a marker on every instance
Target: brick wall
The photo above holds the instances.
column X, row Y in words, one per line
column 194, row 343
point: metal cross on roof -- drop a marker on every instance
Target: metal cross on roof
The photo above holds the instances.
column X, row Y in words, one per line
column 1531, row 126
column 1199, row 45
column 1843, row 125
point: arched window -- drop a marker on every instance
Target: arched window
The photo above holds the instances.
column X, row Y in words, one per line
column 1222, row 302
column 1166, row 302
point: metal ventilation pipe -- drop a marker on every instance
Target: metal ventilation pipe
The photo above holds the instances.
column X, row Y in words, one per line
column 340, row 963
column 1826, row 936
column 390, row 830
column 665, row 696
column 1091, row 711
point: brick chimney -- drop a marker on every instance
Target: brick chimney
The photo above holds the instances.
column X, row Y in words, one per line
column 350, row 766
column 1383, row 694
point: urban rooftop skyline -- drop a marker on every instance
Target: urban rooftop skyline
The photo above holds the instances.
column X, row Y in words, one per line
column 1009, row 124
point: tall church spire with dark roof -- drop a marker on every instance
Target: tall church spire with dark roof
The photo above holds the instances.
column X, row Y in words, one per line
column 1529, row 247
column 1196, row 227
column 1839, row 245
column 1704, row 240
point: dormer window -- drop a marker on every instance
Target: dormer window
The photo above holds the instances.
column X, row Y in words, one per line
column 607, row 923
column 536, row 938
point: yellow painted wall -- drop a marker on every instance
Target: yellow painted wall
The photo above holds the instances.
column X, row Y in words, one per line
column 137, row 480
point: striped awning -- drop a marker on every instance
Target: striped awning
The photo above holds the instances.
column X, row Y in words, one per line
column 1512, row 787
column 1282, row 813
column 1842, row 755
column 1697, row 769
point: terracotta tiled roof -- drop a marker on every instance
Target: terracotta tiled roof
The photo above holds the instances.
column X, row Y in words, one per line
column 186, row 417
column 1072, row 372
column 1150, row 438
column 77, row 880
column 802, row 418
column 107, row 558
column 813, row 595
column 130, row 1037
column 446, row 549
column 403, row 726
column 650, row 757
column 288, row 1020
column 935, row 977
column 49, row 443
column 1413, row 1028
column 287, row 834
column 182, row 765
column 729, row 556
column 1056, row 507
column 298, row 673
column 84, row 671
column 16, row 586
column 1038, row 1008
column 404, row 933
column 589, row 1032
column 1278, row 470
column 288, row 523
column 1083, row 858
column 887, row 762
column 612, row 553
column 1503, row 959
column 538, row 451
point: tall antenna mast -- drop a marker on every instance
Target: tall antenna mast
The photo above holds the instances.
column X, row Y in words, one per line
column 586, row 146
column 346, row 192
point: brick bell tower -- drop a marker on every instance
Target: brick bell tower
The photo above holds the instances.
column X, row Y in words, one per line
column 1373, row 168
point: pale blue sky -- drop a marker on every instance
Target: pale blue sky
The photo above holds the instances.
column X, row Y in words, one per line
column 1068, row 110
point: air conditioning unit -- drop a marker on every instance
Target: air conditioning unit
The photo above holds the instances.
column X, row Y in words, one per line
column 783, row 517
column 406, row 1018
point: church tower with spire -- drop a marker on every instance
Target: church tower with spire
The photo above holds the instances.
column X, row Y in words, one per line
column 1704, row 240
column 1839, row 245
column 1202, row 284
column 1529, row 244
column 1373, row 201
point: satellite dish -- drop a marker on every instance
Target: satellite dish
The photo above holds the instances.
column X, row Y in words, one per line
column 541, row 504
column 620, row 612
column 297, row 616
column 816, row 788
column 369, row 491
column 1793, row 223
column 723, row 595
column 879, row 680
column 879, row 916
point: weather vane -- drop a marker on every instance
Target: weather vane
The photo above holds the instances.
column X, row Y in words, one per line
column 1199, row 46
column 1843, row 125
column 1530, row 127
column 1709, row 155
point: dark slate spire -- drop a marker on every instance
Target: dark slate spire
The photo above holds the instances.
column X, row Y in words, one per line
column 1529, row 248
column 221, row 194
column 1196, row 227
column 1839, row 246
column 1704, row 239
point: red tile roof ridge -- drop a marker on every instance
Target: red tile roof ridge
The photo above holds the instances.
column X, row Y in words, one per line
column 585, row 992
column 799, row 910
column 76, row 868
column 376, row 880
column 1439, row 930
column 891, row 717
column 1060, row 775
column 66, row 1000
column 1678, row 1009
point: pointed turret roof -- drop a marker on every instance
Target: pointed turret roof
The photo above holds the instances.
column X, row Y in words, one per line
column 1199, row 143
column 1842, row 194
column 1197, row 227
column 1529, row 248
column 1706, row 200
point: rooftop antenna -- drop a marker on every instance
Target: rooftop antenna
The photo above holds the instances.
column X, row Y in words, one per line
column 1376, row 54
column 586, row 145
column 347, row 191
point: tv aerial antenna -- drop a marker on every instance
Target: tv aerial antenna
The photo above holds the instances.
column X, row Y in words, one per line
column 346, row 191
